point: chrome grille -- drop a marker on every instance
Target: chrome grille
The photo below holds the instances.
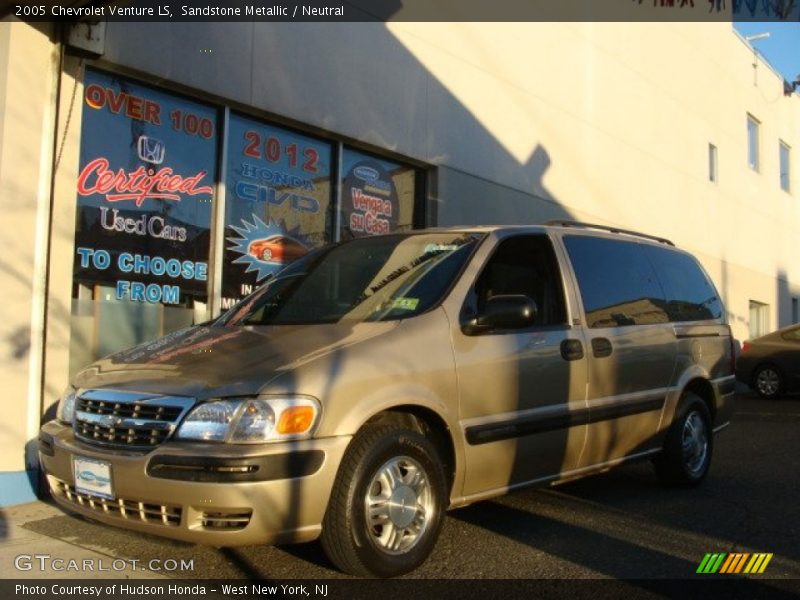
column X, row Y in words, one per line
column 127, row 436
column 135, row 410
column 127, row 419
column 158, row 514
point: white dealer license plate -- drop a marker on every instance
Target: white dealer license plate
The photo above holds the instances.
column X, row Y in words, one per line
column 92, row 477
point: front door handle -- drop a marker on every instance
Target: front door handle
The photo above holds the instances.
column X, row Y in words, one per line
column 601, row 347
column 571, row 350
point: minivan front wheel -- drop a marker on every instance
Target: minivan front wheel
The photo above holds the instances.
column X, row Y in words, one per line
column 686, row 455
column 387, row 503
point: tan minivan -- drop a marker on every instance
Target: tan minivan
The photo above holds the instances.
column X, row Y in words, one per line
column 371, row 385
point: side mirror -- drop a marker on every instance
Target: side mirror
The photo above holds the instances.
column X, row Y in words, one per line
column 512, row 311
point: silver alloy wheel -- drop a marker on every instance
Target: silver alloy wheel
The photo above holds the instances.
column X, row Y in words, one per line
column 399, row 505
column 694, row 442
column 768, row 382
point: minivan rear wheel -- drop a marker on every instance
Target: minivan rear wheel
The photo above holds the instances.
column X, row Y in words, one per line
column 387, row 503
column 686, row 455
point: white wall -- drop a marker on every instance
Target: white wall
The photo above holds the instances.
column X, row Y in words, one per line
column 602, row 122
column 28, row 63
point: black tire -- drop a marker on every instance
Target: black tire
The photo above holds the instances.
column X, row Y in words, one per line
column 768, row 382
column 686, row 455
column 359, row 548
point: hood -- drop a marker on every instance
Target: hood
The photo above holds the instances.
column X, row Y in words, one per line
column 214, row 361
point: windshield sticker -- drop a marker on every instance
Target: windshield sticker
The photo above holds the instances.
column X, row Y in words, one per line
column 404, row 303
column 432, row 248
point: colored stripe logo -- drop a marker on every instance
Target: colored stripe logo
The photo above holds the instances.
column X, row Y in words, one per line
column 735, row 562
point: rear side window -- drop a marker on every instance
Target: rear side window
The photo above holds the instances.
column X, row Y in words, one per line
column 617, row 282
column 690, row 295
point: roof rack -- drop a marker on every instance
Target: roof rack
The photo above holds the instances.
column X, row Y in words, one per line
column 559, row 223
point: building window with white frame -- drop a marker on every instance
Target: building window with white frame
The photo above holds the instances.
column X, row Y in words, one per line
column 753, row 125
column 712, row 163
column 759, row 319
column 785, row 166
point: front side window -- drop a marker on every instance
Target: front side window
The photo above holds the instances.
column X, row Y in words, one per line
column 752, row 142
column 368, row 279
column 617, row 282
column 523, row 265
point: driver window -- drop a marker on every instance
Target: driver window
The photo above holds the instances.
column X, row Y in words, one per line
column 526, row 265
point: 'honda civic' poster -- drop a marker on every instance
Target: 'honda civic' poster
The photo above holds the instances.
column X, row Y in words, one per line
column 277, row 202
column 145, row 189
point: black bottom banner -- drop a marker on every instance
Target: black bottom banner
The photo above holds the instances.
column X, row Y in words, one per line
column 399, row 589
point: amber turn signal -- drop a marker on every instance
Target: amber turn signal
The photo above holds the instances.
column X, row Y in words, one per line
column 295, row 419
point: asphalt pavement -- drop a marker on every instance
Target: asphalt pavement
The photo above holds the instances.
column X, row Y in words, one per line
column 621, row 524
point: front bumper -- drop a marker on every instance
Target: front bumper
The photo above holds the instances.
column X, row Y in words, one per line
column 164, row 493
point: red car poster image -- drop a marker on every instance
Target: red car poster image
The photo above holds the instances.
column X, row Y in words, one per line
column 277, row 249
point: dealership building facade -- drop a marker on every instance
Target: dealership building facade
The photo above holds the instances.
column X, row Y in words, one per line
column 153, row 174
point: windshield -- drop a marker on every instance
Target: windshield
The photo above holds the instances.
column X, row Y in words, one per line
column 368, row 279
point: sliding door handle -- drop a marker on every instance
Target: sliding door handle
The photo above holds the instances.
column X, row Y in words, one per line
column 601, row 347
column 571, row 350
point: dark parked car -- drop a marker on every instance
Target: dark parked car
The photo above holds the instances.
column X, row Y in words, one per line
column 771, row 364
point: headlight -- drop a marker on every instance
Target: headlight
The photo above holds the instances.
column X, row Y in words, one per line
column 66, row 405
column 251, row 420
column 209, row 421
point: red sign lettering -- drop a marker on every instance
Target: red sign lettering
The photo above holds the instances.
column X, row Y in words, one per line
column 141, row 184
column 135, row 107
column 367, row 202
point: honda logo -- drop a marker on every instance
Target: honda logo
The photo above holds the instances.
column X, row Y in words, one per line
column 151, row 150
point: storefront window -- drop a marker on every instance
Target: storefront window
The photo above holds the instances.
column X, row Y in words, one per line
column 377, row 196
column 144, row 203
column 277, row 202
column 149, row 165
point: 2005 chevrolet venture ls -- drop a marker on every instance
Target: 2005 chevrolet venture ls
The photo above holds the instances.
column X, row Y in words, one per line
column 372, row 384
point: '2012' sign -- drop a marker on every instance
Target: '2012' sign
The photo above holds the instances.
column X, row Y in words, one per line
column 272, row 151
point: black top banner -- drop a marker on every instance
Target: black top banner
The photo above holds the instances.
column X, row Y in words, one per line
column 405, row 10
